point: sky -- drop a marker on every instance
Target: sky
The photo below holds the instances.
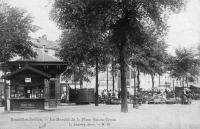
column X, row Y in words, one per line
column 184, row 28
column 39, row 10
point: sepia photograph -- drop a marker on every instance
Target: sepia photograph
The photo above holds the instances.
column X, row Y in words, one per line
column 99, row 64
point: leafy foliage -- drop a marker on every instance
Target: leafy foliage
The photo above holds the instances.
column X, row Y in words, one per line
column 127, row 25
column 15, row 25
column 74, row 52
column 185, row 64
column 78, row 49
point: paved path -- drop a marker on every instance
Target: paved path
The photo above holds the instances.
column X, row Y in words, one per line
column 160, row 116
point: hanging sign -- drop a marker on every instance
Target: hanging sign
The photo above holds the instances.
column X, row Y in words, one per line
column 27, row 80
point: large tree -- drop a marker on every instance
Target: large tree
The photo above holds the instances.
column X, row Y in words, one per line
column 74, row 52
column 126, row 22
column 150, row 58
column 15, row 26
column 157, row 60
column 83, row 51
column 184, row 65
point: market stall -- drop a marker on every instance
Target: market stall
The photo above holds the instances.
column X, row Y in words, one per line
column 26, row 88
column 33, row 84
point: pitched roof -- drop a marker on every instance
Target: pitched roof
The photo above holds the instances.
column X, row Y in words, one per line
column 7, row 76
column 42, row 41
column 41, row 57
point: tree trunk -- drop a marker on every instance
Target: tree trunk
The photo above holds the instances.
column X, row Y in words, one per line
column 138, row 79
column 159, row 80
column 81, row 83
column 183, row 82
column 113, row 79
column 5, row 94
column 124, row 107
column 134, row 77
column 97, row 84
column 75, row 84
column 135, row 102
column 80, row 77
column 152, row 78
column 107, row 79
column 74, row 79
column 187, row 82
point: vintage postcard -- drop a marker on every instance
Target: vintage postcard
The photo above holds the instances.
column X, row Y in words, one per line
column 99, row 64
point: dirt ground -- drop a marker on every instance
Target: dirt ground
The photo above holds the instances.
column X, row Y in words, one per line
column 147, row 116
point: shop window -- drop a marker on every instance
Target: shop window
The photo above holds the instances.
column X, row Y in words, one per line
column 26, row 92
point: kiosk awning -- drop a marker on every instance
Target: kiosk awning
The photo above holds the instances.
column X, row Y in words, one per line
column 8, row 76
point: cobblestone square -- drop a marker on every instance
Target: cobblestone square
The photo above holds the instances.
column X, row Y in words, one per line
column 147, row 116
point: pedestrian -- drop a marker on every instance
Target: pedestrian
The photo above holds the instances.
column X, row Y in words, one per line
column 184, row 97
column 189, row 96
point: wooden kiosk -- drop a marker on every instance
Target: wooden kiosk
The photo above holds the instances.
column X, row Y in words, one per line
column 32, row 83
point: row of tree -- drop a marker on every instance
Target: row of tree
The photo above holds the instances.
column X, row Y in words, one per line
column 101, row 32
column 118, row 32
column 184, row 66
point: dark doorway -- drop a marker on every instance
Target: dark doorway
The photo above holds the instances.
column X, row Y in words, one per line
column 27, row 92
column 52, row 90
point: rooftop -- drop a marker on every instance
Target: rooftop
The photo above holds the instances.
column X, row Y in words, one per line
column 42, row 41
column 41, row 57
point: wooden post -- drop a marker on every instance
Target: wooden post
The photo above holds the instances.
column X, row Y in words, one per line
column 57, row 87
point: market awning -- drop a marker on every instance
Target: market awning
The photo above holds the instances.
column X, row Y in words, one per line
column 8, row 76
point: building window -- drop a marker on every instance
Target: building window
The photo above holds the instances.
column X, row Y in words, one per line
column 26, row 92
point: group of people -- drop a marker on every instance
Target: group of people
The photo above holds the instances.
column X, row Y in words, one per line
column 186, row 97
column 109, row 94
